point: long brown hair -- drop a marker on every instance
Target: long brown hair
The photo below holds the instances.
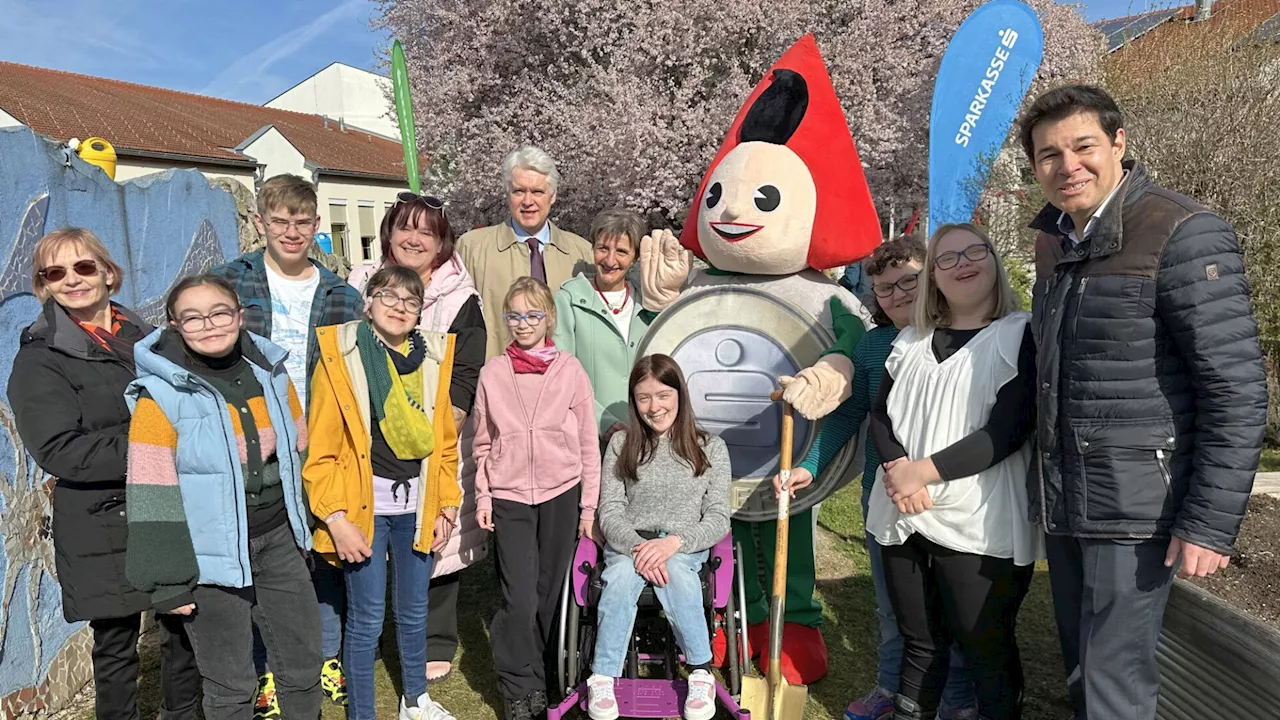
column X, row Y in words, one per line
column 642, row 441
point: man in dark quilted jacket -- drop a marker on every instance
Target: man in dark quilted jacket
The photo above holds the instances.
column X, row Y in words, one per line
column 1152, row 396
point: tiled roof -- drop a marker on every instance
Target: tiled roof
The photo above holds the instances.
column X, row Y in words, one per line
column 154, row 120
column 1248, row 18
column 1121, row 31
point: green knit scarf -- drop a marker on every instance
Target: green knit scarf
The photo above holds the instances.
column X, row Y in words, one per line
column 398, row 405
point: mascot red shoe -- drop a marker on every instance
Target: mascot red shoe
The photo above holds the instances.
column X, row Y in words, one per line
column 784, row 199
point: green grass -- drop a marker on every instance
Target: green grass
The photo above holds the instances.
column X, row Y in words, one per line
column 851, row 633
column 1270, row 461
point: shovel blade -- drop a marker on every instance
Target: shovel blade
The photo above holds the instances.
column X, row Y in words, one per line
column 789, row 702
column 786, row 703
column 755, row 697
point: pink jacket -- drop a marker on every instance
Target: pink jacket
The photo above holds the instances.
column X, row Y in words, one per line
column 531, row 455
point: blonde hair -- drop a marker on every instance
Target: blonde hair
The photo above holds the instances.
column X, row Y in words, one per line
column 289, row 193
column 88, row 243
column 931, row 309
column 537, row 294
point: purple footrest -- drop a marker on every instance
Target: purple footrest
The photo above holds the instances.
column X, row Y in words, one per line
column 648, row 700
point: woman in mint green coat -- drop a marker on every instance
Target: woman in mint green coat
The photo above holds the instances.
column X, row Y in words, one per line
column 600, row 321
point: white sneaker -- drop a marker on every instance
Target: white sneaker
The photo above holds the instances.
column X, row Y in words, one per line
column 700, row 703
column 601, row 703
column 424, row 709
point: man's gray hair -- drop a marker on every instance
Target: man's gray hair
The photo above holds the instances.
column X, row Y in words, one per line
column 530, row 157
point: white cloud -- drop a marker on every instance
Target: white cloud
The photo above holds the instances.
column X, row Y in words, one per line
column 248, row 78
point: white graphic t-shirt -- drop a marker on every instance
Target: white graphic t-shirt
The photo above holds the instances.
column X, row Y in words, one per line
column 291, row 323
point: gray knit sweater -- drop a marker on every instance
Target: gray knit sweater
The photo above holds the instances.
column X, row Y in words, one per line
column 667, row 497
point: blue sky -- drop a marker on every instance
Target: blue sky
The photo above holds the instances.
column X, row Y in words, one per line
column 249, row 50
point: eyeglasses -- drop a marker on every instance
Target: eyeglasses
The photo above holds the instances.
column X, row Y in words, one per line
column 974, row 253
column 906, row 283
column 534, row 318
column 434, row 203
column 389, row 300
column 217, row 319
column 281, row 226
column 83, row 268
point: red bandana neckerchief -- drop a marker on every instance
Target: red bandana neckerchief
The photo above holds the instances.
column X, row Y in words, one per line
column 626, row 299
column 536, row 360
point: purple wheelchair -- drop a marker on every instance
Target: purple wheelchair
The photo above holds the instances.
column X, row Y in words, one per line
column 652, row 645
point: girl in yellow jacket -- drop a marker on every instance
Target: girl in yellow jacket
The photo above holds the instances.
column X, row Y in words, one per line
column 382, row 476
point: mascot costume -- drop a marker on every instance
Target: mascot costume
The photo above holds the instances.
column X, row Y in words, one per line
column 784, row 199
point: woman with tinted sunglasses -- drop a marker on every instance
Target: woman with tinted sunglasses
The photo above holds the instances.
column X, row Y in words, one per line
column 67, row 394
column 416, row 234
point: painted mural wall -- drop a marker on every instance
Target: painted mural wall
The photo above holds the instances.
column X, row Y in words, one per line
column 158, row 228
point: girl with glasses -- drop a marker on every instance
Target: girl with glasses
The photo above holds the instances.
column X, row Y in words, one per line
column 382, row 477
column 951, row 422
column 416, row 234
column 218, row 526
column 537, row 479
column 893, row 273
column 67, row 395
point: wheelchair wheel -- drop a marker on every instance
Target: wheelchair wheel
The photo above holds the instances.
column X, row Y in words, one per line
column 573, row 652
column 736, row 625
column 564, row 649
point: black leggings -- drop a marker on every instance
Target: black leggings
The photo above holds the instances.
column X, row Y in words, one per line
column 941, row 596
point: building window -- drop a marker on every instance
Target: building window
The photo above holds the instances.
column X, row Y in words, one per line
column 368, row 230
column 338, row 227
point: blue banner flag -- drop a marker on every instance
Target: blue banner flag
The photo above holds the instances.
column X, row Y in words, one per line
column 985, row 73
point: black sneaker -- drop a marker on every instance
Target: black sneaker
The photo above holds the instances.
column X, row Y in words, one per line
column 537, row 703
column 517, row 709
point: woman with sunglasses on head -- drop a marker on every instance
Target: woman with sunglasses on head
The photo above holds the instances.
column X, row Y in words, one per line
column 382, row 477
column 416, row 234
column 537, row 479
column 66, row 390
column 892, row 273
column 218, row 527
column 951, row 423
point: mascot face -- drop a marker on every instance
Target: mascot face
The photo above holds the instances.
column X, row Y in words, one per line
column 757, row 211
column 786, row 191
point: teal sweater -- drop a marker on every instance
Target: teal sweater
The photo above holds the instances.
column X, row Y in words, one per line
column 585, row 330
column 842, row 425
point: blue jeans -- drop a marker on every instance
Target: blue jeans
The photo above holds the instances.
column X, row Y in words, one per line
column 366, row 604
column 681, row 600
column 958, row 692
column 328, row 583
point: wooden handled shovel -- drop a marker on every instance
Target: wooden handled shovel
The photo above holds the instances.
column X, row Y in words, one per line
column 778, row 700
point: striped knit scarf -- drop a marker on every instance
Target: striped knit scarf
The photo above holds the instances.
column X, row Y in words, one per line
column 395, row 391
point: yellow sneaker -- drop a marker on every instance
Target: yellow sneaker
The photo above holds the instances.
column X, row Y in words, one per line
column 332, row 683
column 267, row 707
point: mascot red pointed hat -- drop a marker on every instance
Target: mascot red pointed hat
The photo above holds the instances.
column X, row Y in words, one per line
column 787, row 175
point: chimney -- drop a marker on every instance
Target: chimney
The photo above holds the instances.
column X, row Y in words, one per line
column 342, row 124
column 1204, row 10
column 326, row 121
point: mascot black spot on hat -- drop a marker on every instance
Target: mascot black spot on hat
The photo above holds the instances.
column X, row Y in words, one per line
column 786, row 190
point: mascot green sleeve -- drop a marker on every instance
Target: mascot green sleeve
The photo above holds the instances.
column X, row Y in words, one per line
column 784, row 199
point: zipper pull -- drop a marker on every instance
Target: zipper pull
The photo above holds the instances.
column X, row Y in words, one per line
column 1080, row 288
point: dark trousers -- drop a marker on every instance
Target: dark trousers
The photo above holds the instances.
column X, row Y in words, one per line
column 534, row 545
column 442, row 618
column 1109, row 598
column 115, row 669
column 282, row 603
column 941, row 596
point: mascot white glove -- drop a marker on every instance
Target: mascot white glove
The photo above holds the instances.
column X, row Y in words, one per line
column 664, row 267
column 815, row 391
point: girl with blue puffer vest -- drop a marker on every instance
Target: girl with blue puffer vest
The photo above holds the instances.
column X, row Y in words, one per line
column 217, row 522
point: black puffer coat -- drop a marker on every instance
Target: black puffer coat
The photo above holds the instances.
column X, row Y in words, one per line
column 1152, row 396
column 67, row 395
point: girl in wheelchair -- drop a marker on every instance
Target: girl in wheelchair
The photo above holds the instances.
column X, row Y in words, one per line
column 664, row 502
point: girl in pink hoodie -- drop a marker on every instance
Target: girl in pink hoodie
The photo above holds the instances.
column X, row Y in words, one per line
column 537, row 478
